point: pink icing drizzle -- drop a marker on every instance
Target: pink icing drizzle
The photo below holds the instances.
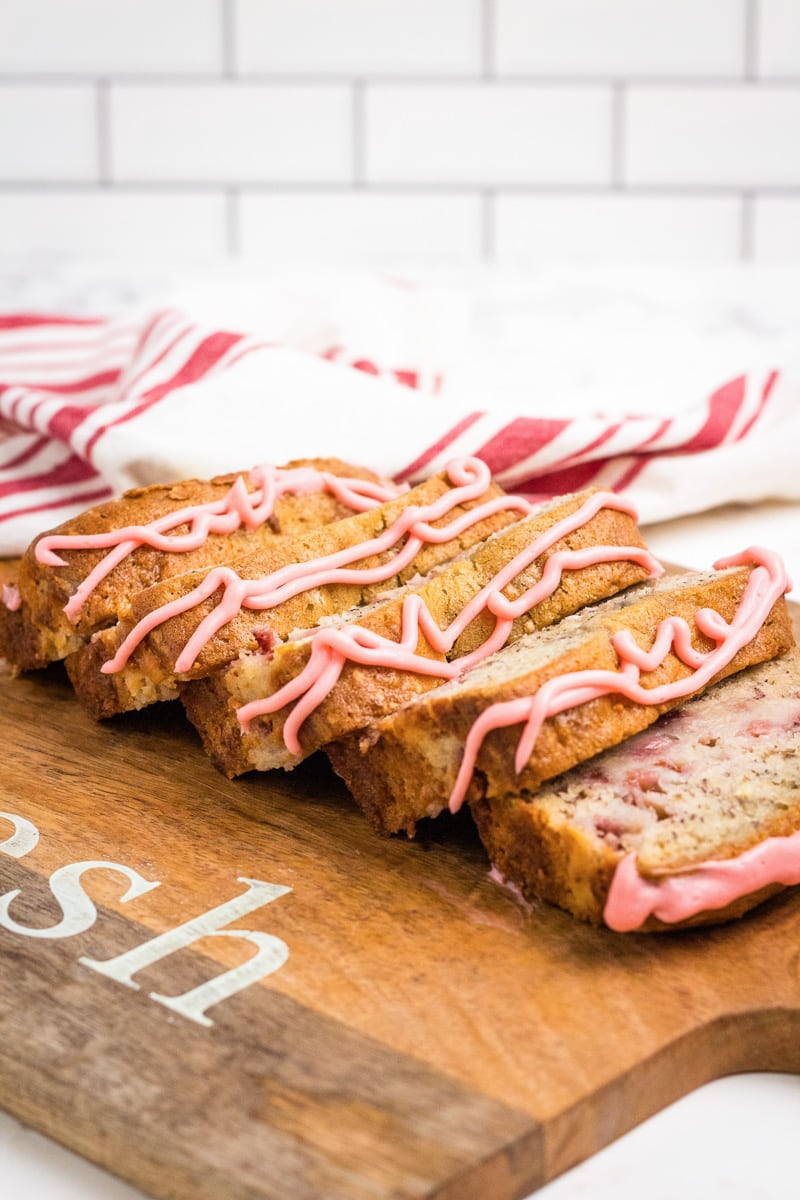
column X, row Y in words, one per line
column 768, row 581
column 711, row 885
column 11, row 597
column 470, row 478
column 238, row 507
column 331, row 647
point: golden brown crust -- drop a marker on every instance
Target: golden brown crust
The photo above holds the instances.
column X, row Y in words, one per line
column 105, row 696
column 365, row 693
column 9, row 570
column 714, row 780
column 211, row 709
column 404, row 768
column 561, row 866
column 42, row 632
column 156, row 656
column 569, row 870
column 10, row 622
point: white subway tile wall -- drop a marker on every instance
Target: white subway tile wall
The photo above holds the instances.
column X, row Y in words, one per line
column 620, row 37
column 776, row 228
column 47, row 132
column 487, row 134
column 386, row 131
column 778, row 43
column 617, row 227
column 359, row 37
column 115, row 222
column 110, row 37
column 230, row 131
column 732, row 135
column 361, row 227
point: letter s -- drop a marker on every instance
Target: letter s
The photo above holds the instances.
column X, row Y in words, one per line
column 79, row 911
column 22, row 840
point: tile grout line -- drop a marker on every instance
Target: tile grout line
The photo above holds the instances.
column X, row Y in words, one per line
column 228, row 39
column 103, row 130
column 433, row 79
column 233, row 240
column 751, row 20
column 618, row 105
column 401, row 187
column 488, row 215
column 747, row 227
column 488, row 45
column 358, row 130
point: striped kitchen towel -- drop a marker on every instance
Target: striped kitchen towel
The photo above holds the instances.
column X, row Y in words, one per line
column 90, row 407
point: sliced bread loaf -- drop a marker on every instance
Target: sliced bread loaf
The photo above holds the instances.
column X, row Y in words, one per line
column 81, row 577
column 194, row 624
column 559, row 696
column 694, row 821
column 296, row 696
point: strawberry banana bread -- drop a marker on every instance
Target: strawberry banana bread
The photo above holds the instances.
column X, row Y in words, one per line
column 80, row 577
column 9, row 594
column 694, row 821
column 295, row 696
column 556, row 698
column 194, row 624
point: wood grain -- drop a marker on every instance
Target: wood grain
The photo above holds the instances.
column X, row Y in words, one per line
column 425, row 1038
column 277, row 1092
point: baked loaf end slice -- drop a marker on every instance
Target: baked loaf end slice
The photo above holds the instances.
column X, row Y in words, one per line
column 9, row 574
column 364, row 692
column 150, row 673
column 405, row 767
column 39, row 631
column 710, row 781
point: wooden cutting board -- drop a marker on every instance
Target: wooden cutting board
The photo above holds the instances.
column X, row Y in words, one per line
column 424, row 1037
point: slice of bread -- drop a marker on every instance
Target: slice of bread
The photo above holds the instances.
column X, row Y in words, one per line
column 9, row 611
column 407, row 766
column 569, row 530
column 710, row 783
column 292, row 598
column 39, row 630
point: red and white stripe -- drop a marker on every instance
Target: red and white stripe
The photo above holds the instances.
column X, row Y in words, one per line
column 419, row 378
column 67, row 384
column 544, row 457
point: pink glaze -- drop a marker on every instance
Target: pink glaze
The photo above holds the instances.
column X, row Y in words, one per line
column 11, row 597
column 238, row 507
column 331, row 647
column 470, row 478
column 767, row 583
column 711, row 885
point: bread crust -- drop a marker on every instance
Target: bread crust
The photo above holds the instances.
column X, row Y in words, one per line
column 40, row 632
column 10, row 620
column 365, row 693
column 548, row 845
column 403, row 768
column 567, row 872
column 154, row 660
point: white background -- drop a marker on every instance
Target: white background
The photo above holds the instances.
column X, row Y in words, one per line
column 428, row 130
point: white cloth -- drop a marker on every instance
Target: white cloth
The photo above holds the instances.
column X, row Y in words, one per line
column 683, row 398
